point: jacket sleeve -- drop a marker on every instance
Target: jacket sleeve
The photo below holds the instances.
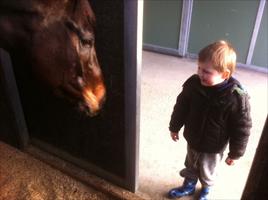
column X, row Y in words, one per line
column 180, row 111
column 240, row 125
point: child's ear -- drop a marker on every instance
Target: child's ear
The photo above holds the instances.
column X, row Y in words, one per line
column 226, row 74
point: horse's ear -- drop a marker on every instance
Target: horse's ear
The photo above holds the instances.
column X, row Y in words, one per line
column 79, row 10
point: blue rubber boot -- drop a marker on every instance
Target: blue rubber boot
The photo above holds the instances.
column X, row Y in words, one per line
column 188, row 188
column 204, row 193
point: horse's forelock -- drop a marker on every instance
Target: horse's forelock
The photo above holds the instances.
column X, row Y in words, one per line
column 52, row 11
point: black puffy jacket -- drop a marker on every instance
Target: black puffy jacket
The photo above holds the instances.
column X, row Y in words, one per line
column 213, row 116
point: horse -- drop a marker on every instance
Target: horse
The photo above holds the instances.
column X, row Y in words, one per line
column 56, row 41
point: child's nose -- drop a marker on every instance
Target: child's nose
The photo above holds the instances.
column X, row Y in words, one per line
column 199, row 72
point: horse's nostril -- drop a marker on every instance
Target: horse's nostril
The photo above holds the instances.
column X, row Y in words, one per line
column 80, row 81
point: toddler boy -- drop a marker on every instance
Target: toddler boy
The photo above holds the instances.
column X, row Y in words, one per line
column 214, row 110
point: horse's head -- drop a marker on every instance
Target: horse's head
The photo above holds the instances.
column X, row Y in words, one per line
column 62, row 50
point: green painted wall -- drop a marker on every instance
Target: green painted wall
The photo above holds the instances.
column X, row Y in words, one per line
column 231, row 20
column 161, row 25
column 260, row 56
column 223, row 19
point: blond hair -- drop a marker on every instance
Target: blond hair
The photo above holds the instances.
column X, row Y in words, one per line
column 221, row 54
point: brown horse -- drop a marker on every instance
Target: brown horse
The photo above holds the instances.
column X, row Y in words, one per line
column 56, row 39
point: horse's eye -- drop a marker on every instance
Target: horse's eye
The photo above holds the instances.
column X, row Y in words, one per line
column 87, row 42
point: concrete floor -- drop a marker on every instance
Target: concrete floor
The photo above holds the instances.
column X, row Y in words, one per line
column 160, row 157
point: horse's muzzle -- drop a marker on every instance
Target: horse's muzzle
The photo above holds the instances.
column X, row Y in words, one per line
column 94, row 99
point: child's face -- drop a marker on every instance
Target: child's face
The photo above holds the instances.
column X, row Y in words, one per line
column 209, row 76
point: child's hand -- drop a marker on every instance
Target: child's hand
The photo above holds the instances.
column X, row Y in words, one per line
column 174, row 136
column 229, row 161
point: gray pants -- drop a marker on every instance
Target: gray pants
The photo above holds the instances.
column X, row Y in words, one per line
column 202, row 166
